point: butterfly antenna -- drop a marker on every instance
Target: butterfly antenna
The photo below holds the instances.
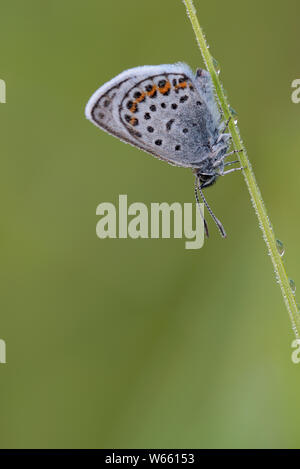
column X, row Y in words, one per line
column 199, row 207
column 217, row 222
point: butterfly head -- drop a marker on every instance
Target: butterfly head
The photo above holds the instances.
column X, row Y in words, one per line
column 207, row 180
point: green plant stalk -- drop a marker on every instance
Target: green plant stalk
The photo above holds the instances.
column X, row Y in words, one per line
column 256, row 198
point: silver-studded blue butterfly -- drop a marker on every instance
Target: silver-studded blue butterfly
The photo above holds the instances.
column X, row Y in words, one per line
column 171, row 113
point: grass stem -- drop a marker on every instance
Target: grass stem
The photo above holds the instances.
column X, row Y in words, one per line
column 255, row 194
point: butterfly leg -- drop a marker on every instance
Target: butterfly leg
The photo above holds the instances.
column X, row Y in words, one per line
column 232, row 153
column 231, row 162
column 218, row 161
column 232, row 170
column 226, row 124
column 220, row 110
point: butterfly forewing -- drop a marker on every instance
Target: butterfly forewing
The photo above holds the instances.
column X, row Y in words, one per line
column 159, row 109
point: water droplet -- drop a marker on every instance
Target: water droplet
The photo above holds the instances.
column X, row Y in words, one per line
column 233, row 112
column 292, row 285
column 280, row 247
column 235, row 121
column 216, row 66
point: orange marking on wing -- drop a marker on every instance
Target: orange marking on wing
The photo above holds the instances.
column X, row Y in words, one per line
column 181, row 85
column 141, row 98
column 151, row 92
column 136, row 101
column 165, row 88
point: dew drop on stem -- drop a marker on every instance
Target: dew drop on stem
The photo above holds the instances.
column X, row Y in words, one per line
column 280, row 247
column 292, row 285
column 233, row 112
column 216, row 65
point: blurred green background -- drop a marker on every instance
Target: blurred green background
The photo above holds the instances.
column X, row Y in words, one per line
column 141, row 343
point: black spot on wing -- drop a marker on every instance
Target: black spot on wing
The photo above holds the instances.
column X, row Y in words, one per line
column 169, row 124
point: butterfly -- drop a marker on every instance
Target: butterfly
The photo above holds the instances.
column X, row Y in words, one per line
column 171, row 113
